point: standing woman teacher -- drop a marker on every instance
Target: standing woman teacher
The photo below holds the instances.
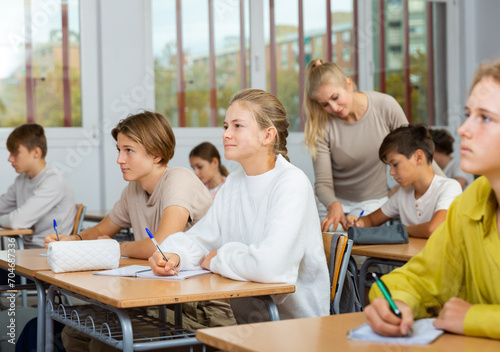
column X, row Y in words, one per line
column 343, row 132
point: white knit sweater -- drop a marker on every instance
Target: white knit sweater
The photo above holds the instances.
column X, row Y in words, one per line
column 265, row 228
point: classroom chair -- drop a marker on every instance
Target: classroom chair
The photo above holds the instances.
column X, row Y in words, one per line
column 80, row 215
column 338, row 251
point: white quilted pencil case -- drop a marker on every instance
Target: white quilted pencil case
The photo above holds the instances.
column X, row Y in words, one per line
column 67, row 256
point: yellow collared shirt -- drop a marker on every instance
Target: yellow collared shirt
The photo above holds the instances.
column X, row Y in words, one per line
column 461, row 259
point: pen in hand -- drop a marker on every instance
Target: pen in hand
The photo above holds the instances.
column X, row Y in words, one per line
column 387, row 295
column 55, row 229
column 360, row 215
column 159, row 250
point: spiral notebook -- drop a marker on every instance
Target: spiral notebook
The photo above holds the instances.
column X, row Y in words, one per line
column 145, row 271
column 423, row 333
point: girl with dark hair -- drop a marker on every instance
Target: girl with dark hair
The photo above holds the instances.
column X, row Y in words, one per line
column 205, row 161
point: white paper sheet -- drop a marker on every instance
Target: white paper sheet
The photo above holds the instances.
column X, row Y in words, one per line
column 145, row 271
column 423, row 333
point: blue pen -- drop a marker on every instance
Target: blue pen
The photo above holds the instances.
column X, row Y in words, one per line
column 360, row 215
column 55, row 229
column 158, row 247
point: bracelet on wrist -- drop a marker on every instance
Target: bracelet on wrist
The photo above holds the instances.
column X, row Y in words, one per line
column 81, row 239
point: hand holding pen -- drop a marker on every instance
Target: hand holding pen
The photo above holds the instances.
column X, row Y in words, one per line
column 360, row 215
column 387, row 295
column 55, row 229
column 353, row 221
column 396, row 323
column 159, row 250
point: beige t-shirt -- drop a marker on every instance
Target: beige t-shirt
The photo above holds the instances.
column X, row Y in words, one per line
column 177, row 186
column 347, row 165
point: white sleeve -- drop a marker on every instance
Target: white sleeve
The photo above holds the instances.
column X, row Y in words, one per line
column 391, row 207
column 449, row 190
column 44, row 199
column 195, row 244
column 287, row 231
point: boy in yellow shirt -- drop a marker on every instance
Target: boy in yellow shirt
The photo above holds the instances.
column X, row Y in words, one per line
column 457, row 275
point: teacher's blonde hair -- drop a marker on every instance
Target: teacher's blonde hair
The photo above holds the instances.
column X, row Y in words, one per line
column 317, row 74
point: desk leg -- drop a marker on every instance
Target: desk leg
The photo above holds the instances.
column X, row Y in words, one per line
column 178, row 314
column 271, row 307
column 364, row 269
column 49, row 325
column 40, row 328
column 126, row 324
column 24, row 294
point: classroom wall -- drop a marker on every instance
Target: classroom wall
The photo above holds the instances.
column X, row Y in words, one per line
column 481, row 20
column 117, row 79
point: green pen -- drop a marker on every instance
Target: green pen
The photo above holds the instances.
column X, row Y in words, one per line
column 387, row 295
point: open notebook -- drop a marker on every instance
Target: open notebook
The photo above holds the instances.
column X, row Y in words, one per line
column 145, row 271
column 423, row 332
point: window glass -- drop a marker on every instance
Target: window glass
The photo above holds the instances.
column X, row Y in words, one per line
column 227, row 52
column 12, row 70
column 40, row 59
column 342, row 35
column 195, row 47
column 419, row 87
column 287, row 75
column 165, row 59
column 184, row 95
column 315, row 29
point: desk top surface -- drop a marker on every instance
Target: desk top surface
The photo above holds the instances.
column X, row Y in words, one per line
column 95, row 215
column 12, row 232
column 402, row 252
column 324, row 334
column 29, row 261
column 127, row 292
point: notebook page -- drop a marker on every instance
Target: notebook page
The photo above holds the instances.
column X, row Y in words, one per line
column 146, row 272
column 423, row 333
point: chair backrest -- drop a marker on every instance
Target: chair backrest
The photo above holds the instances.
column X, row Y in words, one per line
column 80, row 214
column 337, row 250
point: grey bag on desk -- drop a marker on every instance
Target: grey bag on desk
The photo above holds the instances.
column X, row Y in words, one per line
column 394, row 234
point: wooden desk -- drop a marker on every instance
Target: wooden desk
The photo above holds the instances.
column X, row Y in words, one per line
column 400, row 252
column 95, row 215
column 28, row 262
column 13, row 232
column 324, row 334
column 128, row 292
column 390, row 254
column 116, row 294
column 17, row 233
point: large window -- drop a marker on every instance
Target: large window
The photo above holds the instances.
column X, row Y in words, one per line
column 40, row 63
column 201, row 58
column 409, row 51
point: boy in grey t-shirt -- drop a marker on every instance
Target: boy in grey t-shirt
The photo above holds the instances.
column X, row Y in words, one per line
column 40, row 194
